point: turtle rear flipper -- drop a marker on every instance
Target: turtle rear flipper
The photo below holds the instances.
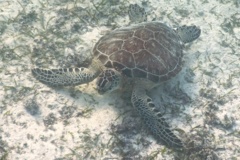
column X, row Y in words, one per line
column 136, row 13
column 188, row 33
column 153, row 119
column 64, row 77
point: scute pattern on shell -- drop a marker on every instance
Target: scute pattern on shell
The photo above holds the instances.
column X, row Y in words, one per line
column 150, row 50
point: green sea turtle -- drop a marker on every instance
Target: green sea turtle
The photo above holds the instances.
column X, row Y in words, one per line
column 146, row 54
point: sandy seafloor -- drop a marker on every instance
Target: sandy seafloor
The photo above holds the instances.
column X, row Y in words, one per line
column 37, row 122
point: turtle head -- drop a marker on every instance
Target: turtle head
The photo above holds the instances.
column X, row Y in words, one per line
column 108, row 81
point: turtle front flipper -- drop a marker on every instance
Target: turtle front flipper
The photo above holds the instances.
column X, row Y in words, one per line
column 153, row 119
column 64, row 77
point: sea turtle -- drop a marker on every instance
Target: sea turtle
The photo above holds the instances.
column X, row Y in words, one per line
column 146, row 54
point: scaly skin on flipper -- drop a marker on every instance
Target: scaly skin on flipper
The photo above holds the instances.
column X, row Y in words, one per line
column 188, row 33
column 68, row 76
column 64, row 77
column 153, row 119
column 136, row 13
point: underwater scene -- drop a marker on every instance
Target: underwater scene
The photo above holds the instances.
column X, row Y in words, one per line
column 119, row 80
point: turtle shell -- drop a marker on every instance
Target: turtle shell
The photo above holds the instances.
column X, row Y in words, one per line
column 149, row 50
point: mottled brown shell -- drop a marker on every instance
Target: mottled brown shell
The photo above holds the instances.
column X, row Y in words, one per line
column 148, row 50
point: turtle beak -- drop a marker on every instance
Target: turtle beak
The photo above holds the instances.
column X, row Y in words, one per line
column 100, row 92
